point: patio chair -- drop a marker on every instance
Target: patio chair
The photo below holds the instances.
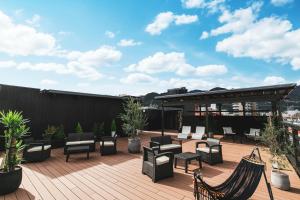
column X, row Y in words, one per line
column 80, row 139
column 165, row 144
column 240, row 185
column 157, row 166
column 108, row 145
column 229, row 133
column 211, row 153
column 253, row 134
column 198, row 135
column 185, row 132
column 36, row 150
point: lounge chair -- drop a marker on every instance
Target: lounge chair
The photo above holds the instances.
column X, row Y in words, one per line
column 157, row 166
column 36, row 150
column 253, row 134
column 165, row 144
column 198, row 135
column 211, row 153
column 80, row 139
column 185, row 132
column 229, row 133
column 240, row 185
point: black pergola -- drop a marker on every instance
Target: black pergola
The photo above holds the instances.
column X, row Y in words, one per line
column 274, row 94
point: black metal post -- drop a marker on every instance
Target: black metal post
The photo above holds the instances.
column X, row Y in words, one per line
column 162, row 119
column 206, row 118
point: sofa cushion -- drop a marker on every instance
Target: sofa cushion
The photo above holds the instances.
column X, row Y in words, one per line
column 206, row 150
column 169, row 146
column 162, row 160
column 38, row 148
column 108, row 143
column 80, row 142
column 87, row 142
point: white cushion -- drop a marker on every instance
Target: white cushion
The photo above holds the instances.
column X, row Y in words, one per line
column 107, row 143
column 197, row 136
column 38, row 148
column 254, row 132
column 80, row 142
column 162, row 160
column 169, row 146
column 200, row 130
column 182, row 136
column 206, row 150
column 228, row 131
column 186, row 130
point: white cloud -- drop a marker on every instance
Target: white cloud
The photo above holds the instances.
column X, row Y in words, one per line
column 185, row 19
column 281, row 2
column 128, row 43
column 7, row 64
column 212, row 5
column 83, row 85
column 273, row 80
column 48, row 82
column 174, row 62
column 18, row 39
column 34, row 21
column 298, row 82
column 269, row 38
column 164, row 20
column 204, row 35
column 110, row 34
column 19, row 12
column 137, row 78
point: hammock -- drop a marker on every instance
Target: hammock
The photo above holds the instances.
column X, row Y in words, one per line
column 239, row 186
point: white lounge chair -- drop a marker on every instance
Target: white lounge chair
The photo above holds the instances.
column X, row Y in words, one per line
column 253, row 134
column 185, row 132
column 229, row 133
column 198, row 135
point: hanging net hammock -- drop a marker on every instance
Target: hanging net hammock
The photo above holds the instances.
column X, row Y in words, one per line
column 239, row 186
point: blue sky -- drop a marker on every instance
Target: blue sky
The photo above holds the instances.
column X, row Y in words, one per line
column 134, row 47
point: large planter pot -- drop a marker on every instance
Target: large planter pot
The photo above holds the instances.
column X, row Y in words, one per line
column 280, row 180
column 10, row 181
column 134, row 145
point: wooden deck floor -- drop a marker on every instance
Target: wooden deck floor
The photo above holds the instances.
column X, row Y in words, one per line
column 119, row 177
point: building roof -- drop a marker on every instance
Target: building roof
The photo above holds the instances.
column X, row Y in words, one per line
column 263, row 93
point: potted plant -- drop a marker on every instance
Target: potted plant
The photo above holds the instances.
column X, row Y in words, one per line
column 113, row 128
column 275, row 138
column 133, row 121
column 78, row 128
column 49, row 132
column 10, row 171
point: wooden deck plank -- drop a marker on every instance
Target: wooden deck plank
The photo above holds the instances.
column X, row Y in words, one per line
column 119, row 176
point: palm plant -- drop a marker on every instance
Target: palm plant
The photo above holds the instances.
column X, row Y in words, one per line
column 15, row 129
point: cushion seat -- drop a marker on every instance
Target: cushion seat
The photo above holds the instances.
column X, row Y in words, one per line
column 108, row 143
column 169, row 146
column 206, row 150
column 80, row 142
column 162, row 160
column 38, row 148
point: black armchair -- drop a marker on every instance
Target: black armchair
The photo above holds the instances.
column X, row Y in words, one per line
column 211, row 153
column 83, row 139
column 36, row 150
column 108, row 145
column 157, row 166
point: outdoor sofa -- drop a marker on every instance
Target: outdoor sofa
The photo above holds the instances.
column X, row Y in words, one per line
column 80, row 139
column 36, row 150
column 157, row 165
column 165, row 144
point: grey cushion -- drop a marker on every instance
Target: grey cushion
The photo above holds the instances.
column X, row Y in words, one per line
column 206, row 150
column 107, row 143
column 169, row 146
column 162, row 160
column 38, row 148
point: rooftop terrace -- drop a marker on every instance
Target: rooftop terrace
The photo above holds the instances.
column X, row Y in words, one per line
column 119, row 176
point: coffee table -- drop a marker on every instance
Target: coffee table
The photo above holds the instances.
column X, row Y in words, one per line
column 78, row 149
column 187, row 157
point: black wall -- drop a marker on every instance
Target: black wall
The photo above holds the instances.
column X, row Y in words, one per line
column 154, row 120
column 43, row 109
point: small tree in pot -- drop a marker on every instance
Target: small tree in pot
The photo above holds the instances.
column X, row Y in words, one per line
column 134, row 121
column 276, row 139
column 113, row 128
column 10, row 171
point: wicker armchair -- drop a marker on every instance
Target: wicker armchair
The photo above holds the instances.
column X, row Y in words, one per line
column 36, row 150
column 77, row 139
column 157, row 166
column 108, row 145
column 212, row 152
column 165, row 144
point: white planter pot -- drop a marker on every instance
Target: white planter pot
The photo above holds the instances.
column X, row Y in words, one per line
column 113, row 133
column 280, row 180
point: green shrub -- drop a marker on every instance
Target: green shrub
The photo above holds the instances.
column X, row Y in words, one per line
column 50, row 131
column 15, row 128
column 78, row 128
column 98, row 129
column 113, row 127
column 60, row 133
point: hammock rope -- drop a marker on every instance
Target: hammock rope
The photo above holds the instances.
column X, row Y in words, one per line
column 240, row 185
